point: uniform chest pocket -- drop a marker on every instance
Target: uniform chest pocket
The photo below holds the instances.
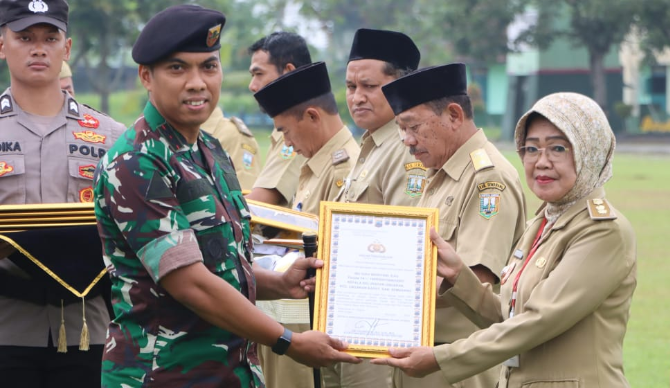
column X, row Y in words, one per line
column 12, row 179
column 80, row 179
column 448, row 230
column 200, row 205
column 357, row 192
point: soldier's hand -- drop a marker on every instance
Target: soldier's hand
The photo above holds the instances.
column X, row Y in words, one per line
column 294, row 278
column 449, row 264
column 316, row 349
column 414, row 362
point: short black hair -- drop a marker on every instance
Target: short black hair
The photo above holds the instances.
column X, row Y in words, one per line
column 283, row 48
column 438, row 106
column 325, row 101
column 395, row 71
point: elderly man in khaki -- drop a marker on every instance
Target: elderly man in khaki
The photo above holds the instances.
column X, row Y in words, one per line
column 240, row 144
column 478, row 192
column 272, row 56
column 310, row 123
column 385, row 172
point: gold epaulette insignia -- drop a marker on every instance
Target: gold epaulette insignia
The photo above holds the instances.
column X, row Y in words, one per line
column 241, row 126
column 600, row 209
column 480, row 159
column 340, row 156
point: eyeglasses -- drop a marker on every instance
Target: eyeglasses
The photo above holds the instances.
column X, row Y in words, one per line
column 555, row 153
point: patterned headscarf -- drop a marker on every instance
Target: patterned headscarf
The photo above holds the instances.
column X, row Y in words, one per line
column 592, row 143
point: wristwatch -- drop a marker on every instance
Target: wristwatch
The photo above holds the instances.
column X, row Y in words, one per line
column 283, row 342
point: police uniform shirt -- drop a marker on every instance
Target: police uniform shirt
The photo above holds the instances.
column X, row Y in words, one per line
column 281, row 170
column 482, row 214
column 385, row 172
column 573, row 303
column 240, row 144
column 50, row 166
column 322, row 176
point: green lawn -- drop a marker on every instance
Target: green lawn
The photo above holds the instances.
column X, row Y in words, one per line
column 640, row 189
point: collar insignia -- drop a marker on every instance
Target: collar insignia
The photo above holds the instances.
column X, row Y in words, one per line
column 6, row 105
column 72, row 107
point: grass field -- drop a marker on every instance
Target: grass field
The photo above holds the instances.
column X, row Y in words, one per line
column 640, row 190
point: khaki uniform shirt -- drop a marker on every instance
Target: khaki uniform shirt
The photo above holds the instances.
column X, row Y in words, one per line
column 282, row 168
column 573, row 304
column 385, row 172
column 322, row 176
column 482, row 214
column 240, row 144
column 56, row 166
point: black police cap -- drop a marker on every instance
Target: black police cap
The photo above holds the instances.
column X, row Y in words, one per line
column 294, row 88
column 425, row 85
column 21, row 14
column 389, row 46
column 180, row 28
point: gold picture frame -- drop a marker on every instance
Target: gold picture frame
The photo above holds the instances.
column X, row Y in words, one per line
column 282, row 218
column 382, row 294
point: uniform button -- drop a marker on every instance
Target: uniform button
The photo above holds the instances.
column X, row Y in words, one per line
column 431, row 191
column 362, row 160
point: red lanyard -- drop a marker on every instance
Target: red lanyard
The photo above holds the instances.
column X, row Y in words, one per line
column 534, row 247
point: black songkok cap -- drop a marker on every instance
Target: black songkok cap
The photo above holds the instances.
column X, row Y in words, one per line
column 294, row 88
column 388, row 46
column 181, row 28
column 21, row 14
column 425, row 85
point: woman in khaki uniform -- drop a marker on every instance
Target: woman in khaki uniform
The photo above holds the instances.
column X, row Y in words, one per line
column 567, row 289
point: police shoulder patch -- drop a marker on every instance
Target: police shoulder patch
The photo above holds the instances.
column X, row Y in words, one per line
column 241, row 126
column 599, row 209
column 340, row 156
column 480, row 159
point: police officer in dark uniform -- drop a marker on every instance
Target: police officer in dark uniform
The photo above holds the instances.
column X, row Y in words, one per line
column 49, row 146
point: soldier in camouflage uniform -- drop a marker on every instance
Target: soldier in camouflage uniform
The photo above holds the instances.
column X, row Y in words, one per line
column 175, row 232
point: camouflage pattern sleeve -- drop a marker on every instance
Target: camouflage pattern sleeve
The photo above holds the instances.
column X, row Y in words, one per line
column 139, row 198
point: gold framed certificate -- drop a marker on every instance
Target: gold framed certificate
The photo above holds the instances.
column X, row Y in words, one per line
column 282, row 218
column 376, row 289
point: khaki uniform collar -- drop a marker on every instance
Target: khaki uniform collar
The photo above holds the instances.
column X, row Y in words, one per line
column 460, row 160
column 324, row 156
column 386, row 132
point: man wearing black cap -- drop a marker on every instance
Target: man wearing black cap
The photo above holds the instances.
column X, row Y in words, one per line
column 305, row 112
column 385, row 173
column 50, row 145
column 271, row 56
column 478, row 192
column 175, row 231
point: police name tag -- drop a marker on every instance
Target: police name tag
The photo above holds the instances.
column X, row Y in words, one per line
column 512, row 362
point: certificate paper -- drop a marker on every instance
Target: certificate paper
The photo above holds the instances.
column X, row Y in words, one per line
column 378, row 283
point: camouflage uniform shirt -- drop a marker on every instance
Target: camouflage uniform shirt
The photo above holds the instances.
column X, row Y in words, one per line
column 163, row 204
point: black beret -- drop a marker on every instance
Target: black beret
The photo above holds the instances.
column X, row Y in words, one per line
column 21, row 14
column 181, row 28
column 425, row 85
column 389, row 46
column 294, row 88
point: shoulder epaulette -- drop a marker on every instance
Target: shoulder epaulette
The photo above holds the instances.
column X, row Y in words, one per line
column 95, row 110
column 600, row 209
column 241, row 126
column 480, row 159
column 340, row 156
